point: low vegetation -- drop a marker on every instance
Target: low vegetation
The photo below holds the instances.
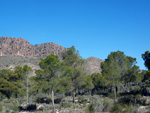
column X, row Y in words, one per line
column 64, row 87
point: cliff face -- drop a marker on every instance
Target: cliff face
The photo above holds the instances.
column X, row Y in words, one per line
column 46, row 49
column 15, row 46
column 21, row 47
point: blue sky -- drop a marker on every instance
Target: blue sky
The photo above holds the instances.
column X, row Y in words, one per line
column 94, row 27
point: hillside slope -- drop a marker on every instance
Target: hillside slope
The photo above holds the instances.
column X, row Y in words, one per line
column 93, row 65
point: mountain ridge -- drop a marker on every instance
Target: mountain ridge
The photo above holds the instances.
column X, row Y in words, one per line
column 21, row 47
column 19, row 52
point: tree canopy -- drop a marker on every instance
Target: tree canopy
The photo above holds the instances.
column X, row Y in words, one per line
column 146, row 58
column 75, row 69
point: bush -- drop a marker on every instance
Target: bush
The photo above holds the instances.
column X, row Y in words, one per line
column 66, row 104
column 1, row 107
column 30, row 107
column 96, row 105
column 126, row 100
column 131, row 99
column 83, row 99
column 58, row 100
column 111, row 95
column 119, row 108
column 123, row 108
column 116, row 108
column 107, row 103
column 10, row 105
column 43, row 100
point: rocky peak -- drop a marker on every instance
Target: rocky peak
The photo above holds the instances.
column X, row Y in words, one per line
column 21, row 47
column 93, row 65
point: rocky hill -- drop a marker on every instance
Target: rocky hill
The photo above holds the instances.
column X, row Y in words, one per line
column 92, row 65
column 18, row 51
column 21, row 47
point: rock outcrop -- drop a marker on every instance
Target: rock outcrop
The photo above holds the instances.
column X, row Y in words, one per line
column 92, row 65
column 21, row 47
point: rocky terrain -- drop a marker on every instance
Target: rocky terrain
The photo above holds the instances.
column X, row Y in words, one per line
column 18, row 51
column 92, row 65
column 21, row 47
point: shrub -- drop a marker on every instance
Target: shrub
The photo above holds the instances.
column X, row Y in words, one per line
column 96, row 105
column 10, row 105
column 82, row 99
column 131, row 99
column 107, row 103
column 116, row 108
column 29, row 107
column 43, row 100
column 66, row 104
column 123, row 108
column 58, row 100
column 1, row 107
column 111, row 95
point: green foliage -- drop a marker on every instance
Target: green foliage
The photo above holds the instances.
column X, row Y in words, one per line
column 58, row 99
column 98, row 80
column 9, row 106
column 27, row 69
column 66, row 102
column 96, row 105
column 19, row 72
column 9, row 83
column 131, row 74
column 119, row 74
column 134, row 89
column 111, row 95
column 118, row 65
column 146, row 76
column 123, row 108
column 120, row 71
column 75, row 71
column 43, row 100
column 83, row 99
column 111, row 68
column 132, row 99
column 107, row 103
column 1, row 107
column 146, row 58
column 12, row 82
column 71, row 57
column 87, row 84
column 117, row 108
column 48, row 77
column 145, row 85
column 64, row 85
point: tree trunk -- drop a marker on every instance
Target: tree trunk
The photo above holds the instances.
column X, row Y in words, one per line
column 90, row 92
column 53, row 101
column 73, row 93
column 114, row 90
column 27, row 90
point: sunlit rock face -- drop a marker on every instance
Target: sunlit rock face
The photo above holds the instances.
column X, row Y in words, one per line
column 21, row 47
column 93, row 65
